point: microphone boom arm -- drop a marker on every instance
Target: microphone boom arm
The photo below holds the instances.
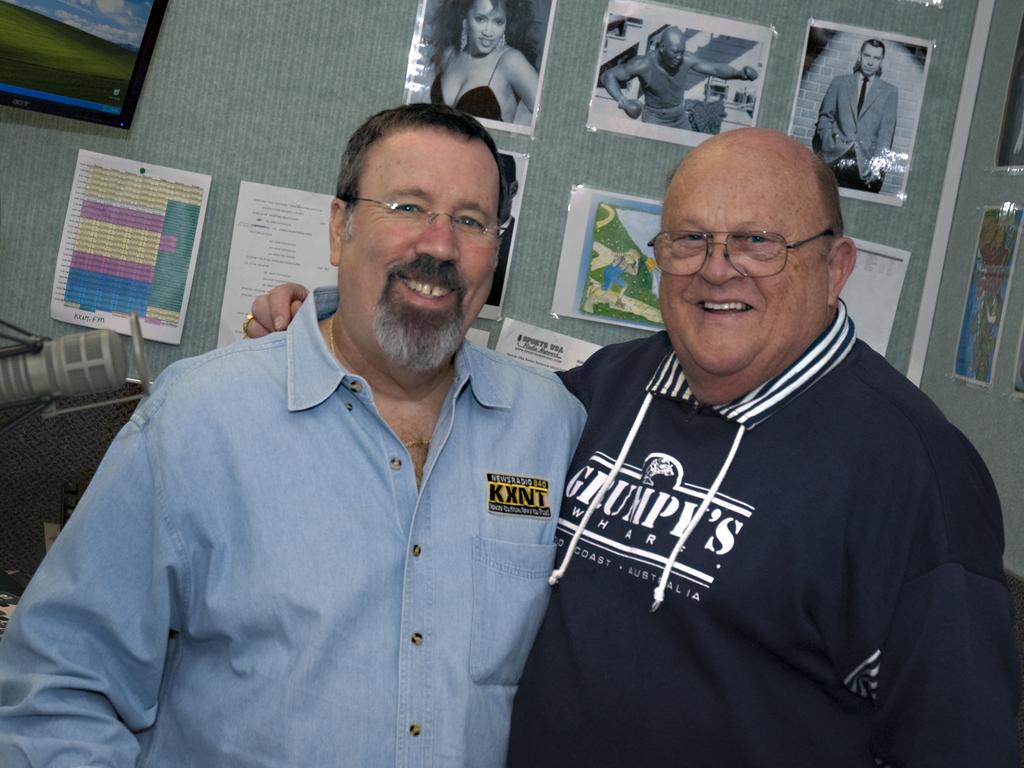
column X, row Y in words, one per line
column 46, row 404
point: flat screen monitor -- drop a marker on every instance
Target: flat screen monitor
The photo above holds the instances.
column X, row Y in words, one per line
column 86, row 61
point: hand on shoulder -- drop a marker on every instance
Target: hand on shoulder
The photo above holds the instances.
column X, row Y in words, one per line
column 274, row 311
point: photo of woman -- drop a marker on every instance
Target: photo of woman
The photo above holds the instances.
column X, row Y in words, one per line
column 483, row 57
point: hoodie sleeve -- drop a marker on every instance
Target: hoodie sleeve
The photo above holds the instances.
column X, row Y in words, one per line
column 949, row 680
column 948, row 672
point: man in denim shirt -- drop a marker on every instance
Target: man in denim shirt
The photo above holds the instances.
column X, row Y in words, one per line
column 183, row 619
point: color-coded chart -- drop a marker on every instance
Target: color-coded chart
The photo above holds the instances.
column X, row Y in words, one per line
column 130, row 241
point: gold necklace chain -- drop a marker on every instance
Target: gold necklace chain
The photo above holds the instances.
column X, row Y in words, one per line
column 330, row 337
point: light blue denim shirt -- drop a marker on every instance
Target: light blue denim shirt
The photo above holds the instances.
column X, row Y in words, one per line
column 253, row 579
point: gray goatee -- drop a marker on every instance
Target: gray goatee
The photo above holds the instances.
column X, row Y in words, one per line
column 414, row 337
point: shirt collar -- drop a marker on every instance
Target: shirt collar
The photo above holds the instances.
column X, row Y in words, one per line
column 482, row 369
column 823, row 354
column 314, row 373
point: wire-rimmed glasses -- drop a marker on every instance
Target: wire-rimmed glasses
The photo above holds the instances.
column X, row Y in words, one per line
column 752, row 254
column 464, row 225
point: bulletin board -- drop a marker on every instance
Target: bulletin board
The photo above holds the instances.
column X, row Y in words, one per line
column 258, row 92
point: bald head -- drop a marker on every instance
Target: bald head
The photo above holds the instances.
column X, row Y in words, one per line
column 673, row 35
column 732, row 331
column 671, row 50
column 776, row 157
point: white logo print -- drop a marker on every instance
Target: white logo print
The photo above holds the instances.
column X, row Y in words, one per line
column 642, row 515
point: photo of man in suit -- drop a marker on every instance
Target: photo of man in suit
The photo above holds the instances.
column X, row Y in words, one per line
column 857, row 122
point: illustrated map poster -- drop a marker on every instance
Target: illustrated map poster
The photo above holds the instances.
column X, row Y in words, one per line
column 606, row 272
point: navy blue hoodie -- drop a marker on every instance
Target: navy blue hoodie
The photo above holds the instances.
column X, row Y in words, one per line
column 839, row 602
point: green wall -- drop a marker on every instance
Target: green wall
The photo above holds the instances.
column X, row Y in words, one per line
column 268, row 92
column 991, row 418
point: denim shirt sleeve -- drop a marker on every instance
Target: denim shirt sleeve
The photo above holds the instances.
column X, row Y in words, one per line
column 80, row 669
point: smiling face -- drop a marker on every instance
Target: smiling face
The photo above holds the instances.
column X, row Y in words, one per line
column 485, row 24
column 414, row 288
column 732, row 333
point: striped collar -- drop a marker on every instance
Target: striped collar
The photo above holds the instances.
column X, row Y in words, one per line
column 824, row 354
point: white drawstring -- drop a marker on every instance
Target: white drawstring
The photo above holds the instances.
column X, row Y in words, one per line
column 559, row 572
column 659, row 591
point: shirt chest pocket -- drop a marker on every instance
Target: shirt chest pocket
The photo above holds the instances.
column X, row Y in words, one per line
column 510, row 594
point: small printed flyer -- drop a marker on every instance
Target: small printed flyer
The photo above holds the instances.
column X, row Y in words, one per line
column 540, row 348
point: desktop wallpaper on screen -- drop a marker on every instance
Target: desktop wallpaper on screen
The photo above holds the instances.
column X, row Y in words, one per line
column 82, row 58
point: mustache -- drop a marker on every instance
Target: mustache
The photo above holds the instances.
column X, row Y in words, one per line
column 427, row 269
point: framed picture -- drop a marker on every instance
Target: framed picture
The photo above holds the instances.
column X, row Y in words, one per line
column 985, row 305
column 1010, row 152
column 607, row 272
column 673, row 75
column 485, row 57
column 857, row 105
column 514, row 165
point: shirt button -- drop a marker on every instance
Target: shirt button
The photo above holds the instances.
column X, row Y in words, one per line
column 416, row 550
column 356, row 386
column 348, row 406
column 415, row 729
column 417, row 638
column 396, row 463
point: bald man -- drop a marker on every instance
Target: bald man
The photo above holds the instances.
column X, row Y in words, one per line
column 781, row 553
column 662, row 73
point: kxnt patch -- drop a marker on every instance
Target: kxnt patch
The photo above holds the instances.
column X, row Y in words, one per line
column 518, row 495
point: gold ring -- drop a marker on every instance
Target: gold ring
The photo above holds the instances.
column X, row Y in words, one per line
column 245, row 324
